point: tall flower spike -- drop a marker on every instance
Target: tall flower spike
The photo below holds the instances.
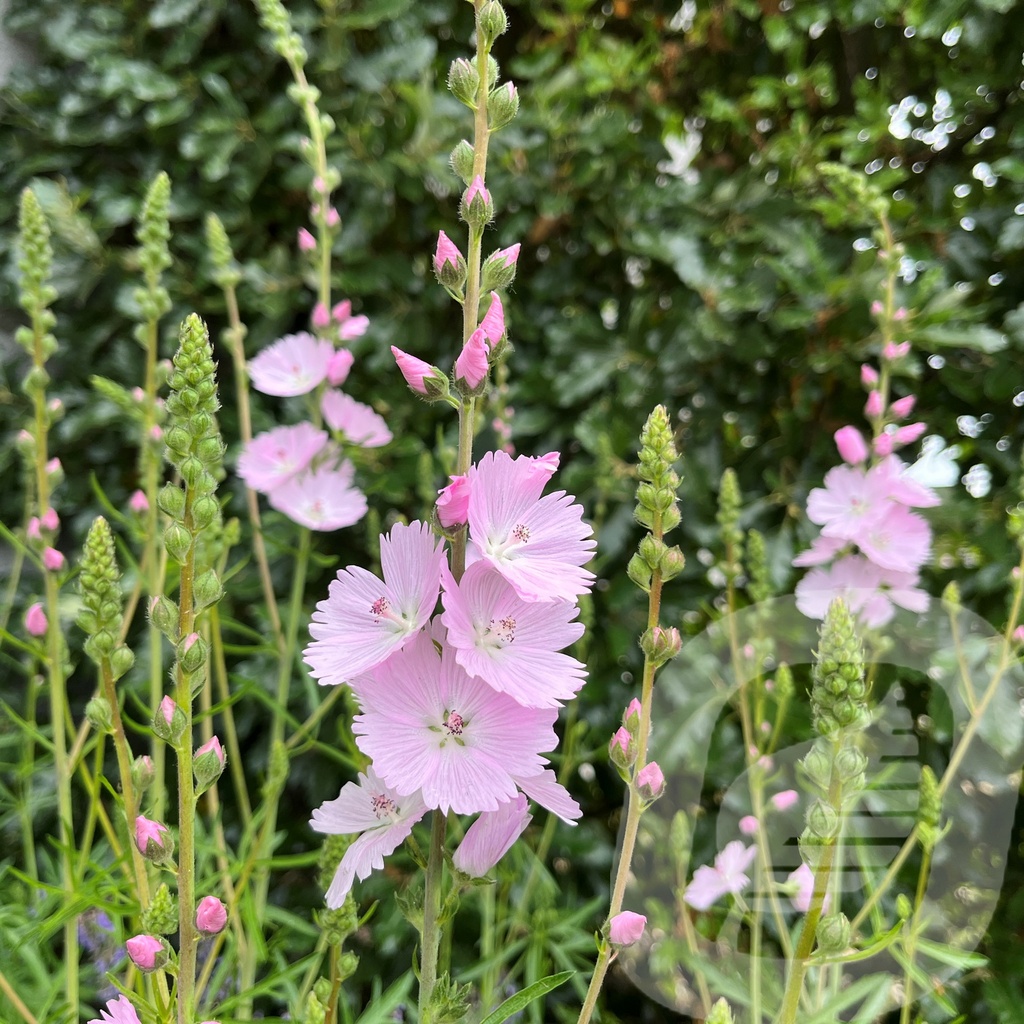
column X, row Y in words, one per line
column 101, row 596
column 154, row 256
column 838, row 691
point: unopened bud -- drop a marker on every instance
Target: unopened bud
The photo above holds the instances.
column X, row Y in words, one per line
column 207, row 590
column 462, row 161
column 208, row 763
column 499, row 269
column 833, row 933
column 464, row 81
column 163, row 613
column 650, row 782
column 153, row 839
column 192, row 651
column 99, row 714
column 147, row 952
column 661, row 645
column 178, row 542
column 121, row 660
column 502, row 106
column 622, row 749
column 143, row 772
column 492, row 22
column 169, row 721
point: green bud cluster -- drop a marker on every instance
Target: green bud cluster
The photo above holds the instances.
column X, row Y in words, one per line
column 275, row 19
column 100, row 618
column 161, row 916
column 729, row 503
column 720, row 1013
column 449, row 1002
column 35, row 262
column 839, row 690
column 225, row 269
column 153, row 233
column 660, row 645
column 929, row 808
column 760, row 586
column 784, row 682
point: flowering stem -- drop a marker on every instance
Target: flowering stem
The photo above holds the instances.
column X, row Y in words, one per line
column 430, row 940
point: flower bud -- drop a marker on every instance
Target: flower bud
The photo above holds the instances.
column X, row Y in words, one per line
column 321, row 317
column 169, row 721
column 178, row 542
column 749, row 825
column 153, row 839
column 163, row 613
column 462, row 161
column 208, row 763
column 147, row 952
column 211, row 915
column 873, row 406
column 35, row 620
column 171, row 500
column 476, row 208
column 650, row 781
column 49, row 520
column 192, row 651
column 661, row 645
column 622, row 749
column 823, row 820
column 53, row 560
column 449, row 263
column 99, row 714
column 903, row 407
column 471, row 366
column 492, row 22
column 424, row 379
column 631, row 716
column 893, row 351
column 626, row 928
column 640, row 573
column 205, row 510
column 464, row 81
column 307, row 243
column 651, row 549
column 851, row 444
column 453, row 503
column 499, row 269
column 502, row 106
column 143, row 772
column 206, row 590
column 904, row 908
column 833, row 933
column 720, row 1014
column 910, row 433
column 868, row 375
column 784, row 800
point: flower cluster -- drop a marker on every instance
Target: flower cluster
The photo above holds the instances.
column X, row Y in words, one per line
column 458, row 707
column 872, row 546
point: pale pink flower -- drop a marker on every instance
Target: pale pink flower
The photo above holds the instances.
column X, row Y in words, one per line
column 544, row 788
column 823, row 549
column 803, row 879
column 852, row 446
column 539, row 544
column 321, row 317
column 146, row 951
column 849, row 501
column 626, row 928
column 493, row 324
column 211, row 915
column 359, row 424
column 894, row 478
column 785, row 800
column 428, row 726
column 293, row 365
column 749, row 825
column 139, row 503
column 453, row 503
column 339, row 366
column 710, row 884
column 323, row 499
column 856, row 581
column 274, row 457
column 413, row 370
column 447, row 252
column 384, row 818
column 53, row 560
column 896, row 539
column 35, row 620
column 118, row 1011
column 491, row 836
column 363, row 621
column 510, row 643
column 903, row 407
column 307, row 243
column 471, row 366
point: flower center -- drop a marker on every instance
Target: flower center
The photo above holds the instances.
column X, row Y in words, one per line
column 383, row 806
column 521, row 533
column 454, row 723
column 503, row 629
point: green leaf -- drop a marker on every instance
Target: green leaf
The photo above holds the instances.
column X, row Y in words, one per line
column 523, row 999
column 975, row 336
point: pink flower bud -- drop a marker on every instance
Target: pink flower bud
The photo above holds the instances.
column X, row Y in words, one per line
column 868, row 376
column 167, row 708
column 341, row 311
column 650, row 782
column 211, row 745
column 354, row 327
column 156, row 433
column 876, row 308
column 893, row 351
column 749, row 825
column 873, row 406
column 333, row 217
column 53, row 467
column 139, row 503
column 413, row 370
column 339, row 366
column 478, row 191
column 307, row 243
column 138, row 395
column 35, row 620
column 319, row 185
column 32, row 530
column 211, row 916
column 910, row 433
column 53, row 560
column 622, row 748
column 471, row 366
column 152, row 838
column 493, row 324
column 453, row 503
column 902, row 407
column 626, row 928
column 49, row 520
column 784, row 800
column 851, row 444
column 901, row 314
column 1018, row 633
column 631, row 716
column 508, row 257
column 447, row 252
column 147, row 952
column 884, row 445
column 320, row 318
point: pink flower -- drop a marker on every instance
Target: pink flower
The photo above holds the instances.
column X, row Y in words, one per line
column 118, row 1011
column 453, row 503
column 873, row 407
column 35, row 620
column 910, row 433
column 544, row 788
column 823, row 549
column 293, row 365
column 53, row 560
column 510, row 643
column 333, row 217
column 852, row 446
column 447, row 252
column 321, row 317
column 626, row 928
column 476, row 190
column 364, row 621
column 341, row 311
column 507, row 257
column 146, row 951
column 323, row 499
column 339, row 366
column 786, row 799
column 903, row 407
column 650, row 781
column 868, row 590
column 803, row 879
column 892, row 351
column 211, row 915
column 413, row 370
column 359, row 424
column 491, row 836
column 307, row 243
column 374, row 809
column 749, row 825
column 152, row 838
column 539, row 544
column 896, row 539
column 354, row 327
column 493, row 323
column 471, row 366
column 429, row 727
column 139, row 503
column 850, row 499
column 276, row 456
column 893, row 477
column 618, row 745
column 710, row 884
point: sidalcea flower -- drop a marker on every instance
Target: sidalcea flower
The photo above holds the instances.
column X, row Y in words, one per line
column 491, row 836
column 35, row 620
column 339, row 366
column 293, row 365
column 896, row 539
column 276, row 456
column 710, row 884
column 471, row 366
column 147, row 952
column 544, row 788
column 510, row 643
column 118, row 1011
column 374, row 809
column 493, row 323
column 852, row 446
column 211, row 915
column 358, row 422
column 363, row 621
column 152, row 838
column 626, row 928
column 539, row 544
column 453, row 503
column 349, row 326
column 429, row 727
column 323, row 499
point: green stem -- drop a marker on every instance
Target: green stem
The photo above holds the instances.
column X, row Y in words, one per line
column 430, row 940
column 908, row 977
column 25, row 773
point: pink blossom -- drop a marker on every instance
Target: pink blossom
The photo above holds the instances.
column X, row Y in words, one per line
column 35, row 620
column 850, row 499
column 118, row 1011
column 893, row 351
column 146, row 951
column 339, row 366
column 650, row 781
column 823, row 549
column 868, row 375
column 354, row 327
column 884, row 444
column 868, row 590
column 874, row 405
column 851, row 444
column 321, row 318
column 626, row 928
column 785, row 800
column 307, row 243
column 293, row 365
column 447, row 252
column 53, row 560
column 413, row 370
column 1018, row 634
column 476, row 190
column 510, row 643
column 493, row 323
column 341, row 311
column 539, row 544
column 323, row 499
column 428, row 726
column 894, row 478
column 152, row 838
column 453, row 503
column 619, row 743
column 139, row 503
column 276, row 456
column 544, row 788
column 363, row 621
column 359, row 424
column 211, row 915
column 903, row 407
column 508, row 257
column 749, row 825
column 896, row 539
column 491, row 836
column 471, row 366
column 710, row 884
column 910, row 433
column 803, row 879
column 383, row 817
